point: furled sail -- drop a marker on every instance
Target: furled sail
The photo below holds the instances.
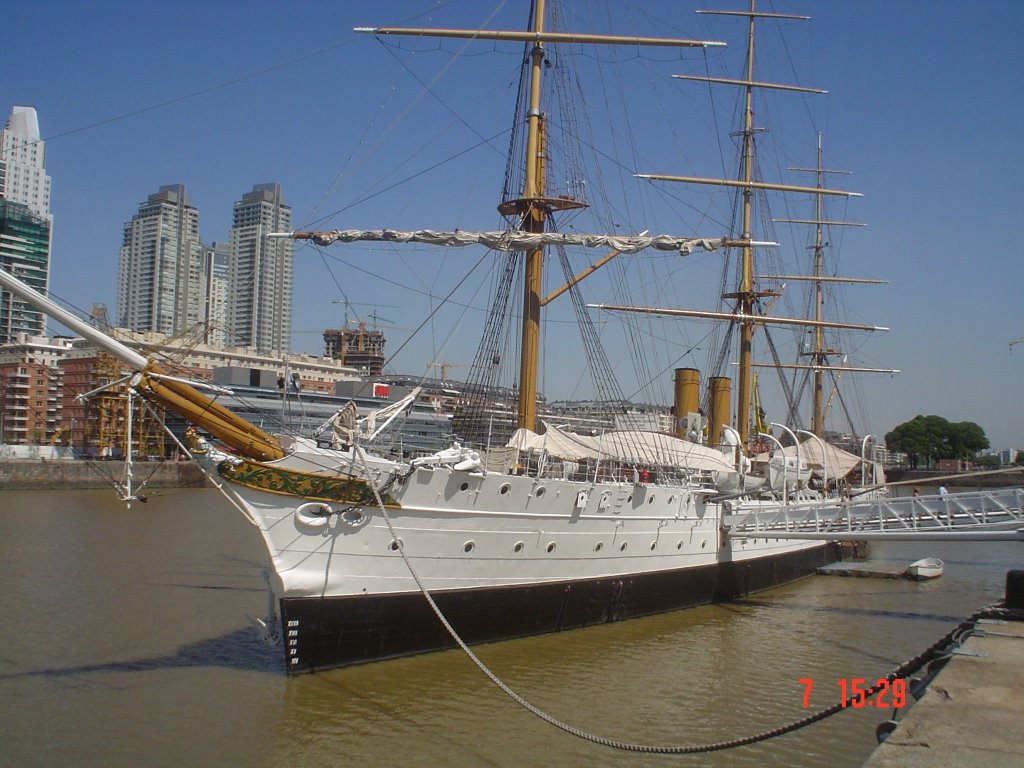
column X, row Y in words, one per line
column 514, row 240
column 623, row 445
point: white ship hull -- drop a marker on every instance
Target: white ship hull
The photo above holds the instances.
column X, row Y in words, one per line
column 503, row 555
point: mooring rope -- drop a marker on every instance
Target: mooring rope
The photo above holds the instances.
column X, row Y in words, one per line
column 901, row 671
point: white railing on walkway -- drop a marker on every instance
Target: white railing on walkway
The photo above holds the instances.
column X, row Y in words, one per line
column 977, row 515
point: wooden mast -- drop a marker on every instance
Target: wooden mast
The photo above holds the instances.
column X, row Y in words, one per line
column 817, row 411
column 534, row 209
column 535, row 217
column 745, row 295
column 820, row 354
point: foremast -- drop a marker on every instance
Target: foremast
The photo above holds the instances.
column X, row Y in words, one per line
column 533, row 209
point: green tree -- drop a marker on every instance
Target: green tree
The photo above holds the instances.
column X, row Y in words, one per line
column 965, row 440
column 929, row 438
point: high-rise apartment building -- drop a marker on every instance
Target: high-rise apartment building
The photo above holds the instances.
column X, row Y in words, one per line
column 25, row 220
column 217, row 261
column 25, row 253
column 23, row 178
column 161, row 284
column 261, row 271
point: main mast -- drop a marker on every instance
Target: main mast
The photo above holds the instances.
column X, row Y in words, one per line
column 746, row 296
column 533, row 210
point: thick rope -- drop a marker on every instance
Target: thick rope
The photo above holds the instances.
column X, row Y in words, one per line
column 901, row 671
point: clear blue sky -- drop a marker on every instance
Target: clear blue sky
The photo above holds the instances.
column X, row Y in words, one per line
column 925, row 107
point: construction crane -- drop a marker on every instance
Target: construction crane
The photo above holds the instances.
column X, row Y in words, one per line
column 347, row 304
column 444, row 366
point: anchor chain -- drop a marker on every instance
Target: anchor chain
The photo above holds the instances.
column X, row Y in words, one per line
column 936, row 650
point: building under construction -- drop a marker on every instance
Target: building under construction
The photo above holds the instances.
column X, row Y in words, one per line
column 356, row 348
column 97, row 426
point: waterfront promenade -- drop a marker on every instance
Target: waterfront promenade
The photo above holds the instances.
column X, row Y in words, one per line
column 65, row 474
column 970, row 714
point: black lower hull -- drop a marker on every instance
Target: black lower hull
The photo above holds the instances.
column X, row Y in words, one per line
column 321, row 633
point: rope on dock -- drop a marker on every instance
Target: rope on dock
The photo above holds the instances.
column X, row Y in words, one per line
column 938, row 650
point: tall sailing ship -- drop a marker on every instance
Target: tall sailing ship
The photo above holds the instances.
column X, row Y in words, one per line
column 375, row 558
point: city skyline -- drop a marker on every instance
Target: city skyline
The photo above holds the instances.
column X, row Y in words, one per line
column 234, row 293
column 935, row 163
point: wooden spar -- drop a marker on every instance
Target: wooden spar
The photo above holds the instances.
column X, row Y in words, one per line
column 248, row 439
column 179, row 397
column 540, row 36
column 751, row 83
column 738, row 317
column 755, row 14
column 825, row 279
column 821, row 223
column 840, row 368
column 578, row 278
column 747, row 185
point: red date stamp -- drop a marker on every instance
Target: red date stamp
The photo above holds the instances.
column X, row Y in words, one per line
column 853, row 692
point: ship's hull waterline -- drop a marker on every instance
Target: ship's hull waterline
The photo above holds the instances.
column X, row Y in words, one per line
column 503, row 556
column 326, row 632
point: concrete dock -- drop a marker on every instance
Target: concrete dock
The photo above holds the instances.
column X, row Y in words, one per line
column 972, row 711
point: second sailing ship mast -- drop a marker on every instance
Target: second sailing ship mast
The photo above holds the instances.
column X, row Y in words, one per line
column 746, row 296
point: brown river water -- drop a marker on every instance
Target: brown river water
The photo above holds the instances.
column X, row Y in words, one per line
column 125, row 640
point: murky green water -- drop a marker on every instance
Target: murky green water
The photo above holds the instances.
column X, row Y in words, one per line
column 125, row 641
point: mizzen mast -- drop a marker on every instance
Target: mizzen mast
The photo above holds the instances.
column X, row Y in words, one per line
column 820, row 354
column 534, row 209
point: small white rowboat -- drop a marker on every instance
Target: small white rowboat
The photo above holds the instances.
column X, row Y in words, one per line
column 926, row 568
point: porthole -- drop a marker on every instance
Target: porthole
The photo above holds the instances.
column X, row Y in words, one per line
column 505, row 488
column 650, row 499
column 702, row 544
column 395, row 545
column 469, row 546
column 629, row 498
column 654, row 545
column 464, row 486
column 679, row 545
column 540, row 491
column 551, row 547
column 599, row 546
column 622, row 547
column 518, row 547
column 671, row 500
